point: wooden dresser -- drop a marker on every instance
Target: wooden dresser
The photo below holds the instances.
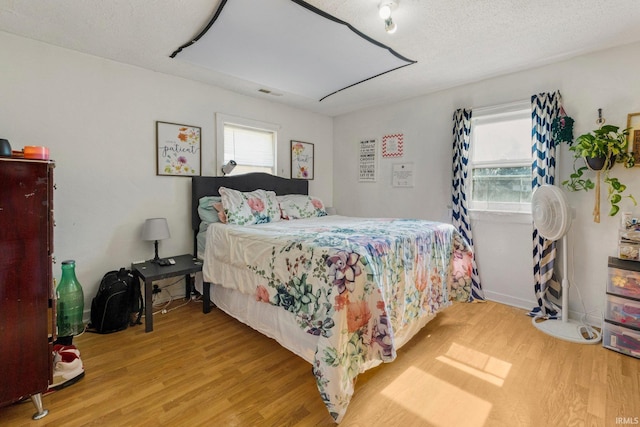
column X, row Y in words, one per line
column 27, row 294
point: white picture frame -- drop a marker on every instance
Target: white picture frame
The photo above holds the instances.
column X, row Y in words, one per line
column 368, row 160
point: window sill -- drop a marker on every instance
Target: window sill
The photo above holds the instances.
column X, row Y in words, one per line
column 501, row 216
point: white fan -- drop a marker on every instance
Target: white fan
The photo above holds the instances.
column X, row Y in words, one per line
column 552, row 217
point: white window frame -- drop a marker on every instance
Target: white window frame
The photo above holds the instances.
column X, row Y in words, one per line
column 226, row 119
column 489, row 115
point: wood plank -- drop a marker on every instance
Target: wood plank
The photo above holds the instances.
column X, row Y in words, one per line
column 485, row 362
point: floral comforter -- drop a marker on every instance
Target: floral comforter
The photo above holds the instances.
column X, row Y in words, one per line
column 355, row 283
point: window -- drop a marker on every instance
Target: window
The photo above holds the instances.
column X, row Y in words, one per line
column 501, row 159
column 251, row 144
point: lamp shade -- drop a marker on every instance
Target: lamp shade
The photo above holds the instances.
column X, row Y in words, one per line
column 228, row 167
column 155, row 229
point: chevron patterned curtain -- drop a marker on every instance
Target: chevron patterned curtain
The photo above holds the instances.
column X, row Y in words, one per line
column 545, row 107
column 460, row 216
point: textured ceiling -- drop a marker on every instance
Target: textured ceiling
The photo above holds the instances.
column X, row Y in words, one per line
column 454, row 41
column 324, row 57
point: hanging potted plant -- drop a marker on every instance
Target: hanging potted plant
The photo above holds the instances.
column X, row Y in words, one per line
column 600, row 150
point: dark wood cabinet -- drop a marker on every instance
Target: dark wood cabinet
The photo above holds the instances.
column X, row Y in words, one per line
column 27, row 299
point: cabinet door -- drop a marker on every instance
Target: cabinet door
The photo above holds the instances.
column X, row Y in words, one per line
column 25, row 278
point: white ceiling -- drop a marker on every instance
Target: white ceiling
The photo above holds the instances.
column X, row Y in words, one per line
column 290, row 46
column 454, row 41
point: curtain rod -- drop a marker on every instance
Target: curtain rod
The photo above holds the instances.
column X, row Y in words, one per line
column 501, row 108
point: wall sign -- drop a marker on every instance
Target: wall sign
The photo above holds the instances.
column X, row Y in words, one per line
column 368, row 166
column 402, row 175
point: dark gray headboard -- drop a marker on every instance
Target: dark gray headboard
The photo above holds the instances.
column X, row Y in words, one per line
column 208, row 186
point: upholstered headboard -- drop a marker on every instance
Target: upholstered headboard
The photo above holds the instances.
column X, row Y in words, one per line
column 208, row 186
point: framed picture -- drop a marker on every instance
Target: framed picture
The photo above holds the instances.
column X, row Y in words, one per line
column 368, row 163
column 301, row 160
column 402, row 175
column 178, row 149
column 633, row 122
column 393, row 145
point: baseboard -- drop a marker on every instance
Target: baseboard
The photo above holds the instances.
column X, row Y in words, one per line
column 591, row 319
column 510, row 300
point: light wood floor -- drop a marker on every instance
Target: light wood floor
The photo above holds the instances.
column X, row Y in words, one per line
column 474, row 365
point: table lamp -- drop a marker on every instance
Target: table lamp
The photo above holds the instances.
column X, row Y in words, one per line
column 155, row 229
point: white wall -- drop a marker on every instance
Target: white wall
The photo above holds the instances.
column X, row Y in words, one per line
column 98, row 119
column 606, row 80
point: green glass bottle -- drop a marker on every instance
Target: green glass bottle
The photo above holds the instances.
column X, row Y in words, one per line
column 70, row 302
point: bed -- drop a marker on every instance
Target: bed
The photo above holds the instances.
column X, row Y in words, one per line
column 342, row 293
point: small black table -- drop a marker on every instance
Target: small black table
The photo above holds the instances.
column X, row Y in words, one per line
column 150, row 272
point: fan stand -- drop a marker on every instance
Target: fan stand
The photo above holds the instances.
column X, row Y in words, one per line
column 566, row 329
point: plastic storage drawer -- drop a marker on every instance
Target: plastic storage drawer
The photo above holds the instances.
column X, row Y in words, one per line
column 623, row 310
column 624, row 278
column 621, row 339
column 629, row 243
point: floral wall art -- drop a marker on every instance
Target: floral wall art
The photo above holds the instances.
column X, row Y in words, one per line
column 301, row 160
column 177, row 149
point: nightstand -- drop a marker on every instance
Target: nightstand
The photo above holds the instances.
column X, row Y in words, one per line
column 150, row 272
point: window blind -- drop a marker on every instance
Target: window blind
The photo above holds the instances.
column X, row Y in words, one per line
column 249, row 147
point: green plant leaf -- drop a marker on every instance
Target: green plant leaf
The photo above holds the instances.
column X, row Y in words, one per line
column 614, row 210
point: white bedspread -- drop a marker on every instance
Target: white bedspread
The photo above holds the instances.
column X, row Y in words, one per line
column 362, row 286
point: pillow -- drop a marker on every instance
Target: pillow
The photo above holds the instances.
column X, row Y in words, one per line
column 221, row 215
column 255, row 207
column 298, row 206
column 206, row 211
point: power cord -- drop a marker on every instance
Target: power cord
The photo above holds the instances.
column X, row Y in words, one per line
column 590, row 330
column 157, row 290
column 169, row 310
column 165, row 306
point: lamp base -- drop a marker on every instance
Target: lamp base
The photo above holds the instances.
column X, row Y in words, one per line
column 156, row 258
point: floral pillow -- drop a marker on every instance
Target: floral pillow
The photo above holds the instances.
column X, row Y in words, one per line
column 298, row 206
column 255, row 207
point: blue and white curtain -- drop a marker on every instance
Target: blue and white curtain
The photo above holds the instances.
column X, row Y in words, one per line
column 545, row 107
column 460, row 215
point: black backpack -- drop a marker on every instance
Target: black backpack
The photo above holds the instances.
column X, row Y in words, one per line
column 117, row 299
